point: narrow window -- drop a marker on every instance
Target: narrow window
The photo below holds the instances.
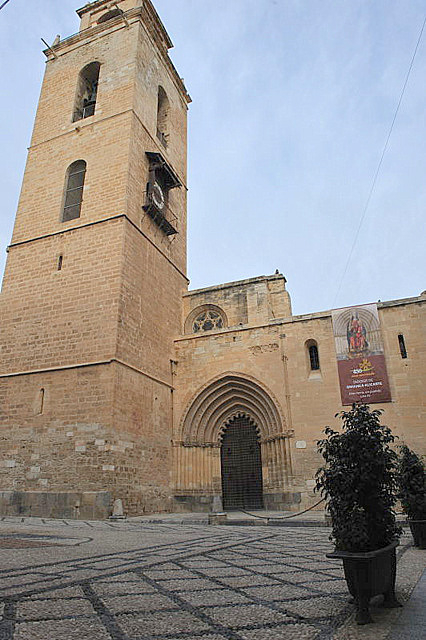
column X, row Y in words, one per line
column 314, row 357
column 41, row 401
column 60, row 260
column 402, row 348
column 87, row 89
column 73, row 190
column 163, row 107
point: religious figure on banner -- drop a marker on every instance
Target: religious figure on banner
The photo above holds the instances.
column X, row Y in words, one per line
column 356, row 335
column 360, row 355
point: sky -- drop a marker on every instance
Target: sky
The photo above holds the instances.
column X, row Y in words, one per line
column 293, row 101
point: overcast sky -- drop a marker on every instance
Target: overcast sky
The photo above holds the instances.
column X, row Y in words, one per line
column 292, row 104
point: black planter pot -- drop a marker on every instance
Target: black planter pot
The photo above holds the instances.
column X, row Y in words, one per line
column 418, row 529
column 370, row 574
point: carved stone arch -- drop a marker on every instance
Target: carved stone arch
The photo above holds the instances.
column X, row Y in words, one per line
column 233, row 416
column 225, row 397
column 198, row 311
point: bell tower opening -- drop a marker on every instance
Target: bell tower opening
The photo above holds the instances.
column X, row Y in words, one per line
column 241, row 465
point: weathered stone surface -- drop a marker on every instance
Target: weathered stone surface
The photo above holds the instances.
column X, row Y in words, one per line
column 105, row 390
column 86, row 505
column 85, row 374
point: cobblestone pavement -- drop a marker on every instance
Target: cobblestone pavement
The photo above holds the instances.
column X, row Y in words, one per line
column 66, row 580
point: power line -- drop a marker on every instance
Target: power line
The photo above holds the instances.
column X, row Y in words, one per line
column 4, row 4
column 380, row 162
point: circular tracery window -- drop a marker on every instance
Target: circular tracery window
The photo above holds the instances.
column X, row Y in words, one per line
column 206, row 321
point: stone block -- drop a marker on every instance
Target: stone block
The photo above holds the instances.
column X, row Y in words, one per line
column 73, row 505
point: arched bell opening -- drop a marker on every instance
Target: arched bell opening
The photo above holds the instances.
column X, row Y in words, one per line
column 241, row 465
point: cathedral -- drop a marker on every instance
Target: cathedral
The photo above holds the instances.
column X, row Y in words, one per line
column 116, row 381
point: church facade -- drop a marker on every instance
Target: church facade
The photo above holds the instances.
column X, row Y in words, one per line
column 118, row 382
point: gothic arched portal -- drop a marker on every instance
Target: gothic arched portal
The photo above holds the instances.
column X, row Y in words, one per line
column 241, row 465
column 223, row 399
column 232, row 444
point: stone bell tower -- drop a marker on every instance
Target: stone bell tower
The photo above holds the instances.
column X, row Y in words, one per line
column 96, row 268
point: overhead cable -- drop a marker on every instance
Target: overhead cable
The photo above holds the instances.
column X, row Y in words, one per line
column 380, row 162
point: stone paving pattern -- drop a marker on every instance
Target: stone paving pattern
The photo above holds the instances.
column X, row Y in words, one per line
column 138, row 581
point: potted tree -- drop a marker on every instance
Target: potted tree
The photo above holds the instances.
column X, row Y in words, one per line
column 412, row 493
column 358, row 480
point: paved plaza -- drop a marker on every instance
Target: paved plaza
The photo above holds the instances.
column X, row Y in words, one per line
column 136, row 580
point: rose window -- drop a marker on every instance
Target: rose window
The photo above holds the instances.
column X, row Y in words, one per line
column 206, row 321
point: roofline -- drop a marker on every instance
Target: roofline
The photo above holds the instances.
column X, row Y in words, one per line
column 315, row 314
column 150, row 8
column 236, row 283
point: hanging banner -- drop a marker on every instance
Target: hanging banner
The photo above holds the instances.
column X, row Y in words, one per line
column 360, row 355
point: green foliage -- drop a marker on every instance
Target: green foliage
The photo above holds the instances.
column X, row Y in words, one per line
column 412, row 484
column 359, row 481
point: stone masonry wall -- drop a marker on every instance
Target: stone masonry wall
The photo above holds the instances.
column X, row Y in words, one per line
column 57, row 444
column 86, row 342
column 51, row 318
column 277, row 356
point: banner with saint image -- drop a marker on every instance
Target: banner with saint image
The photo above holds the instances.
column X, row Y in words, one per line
column 360, row 355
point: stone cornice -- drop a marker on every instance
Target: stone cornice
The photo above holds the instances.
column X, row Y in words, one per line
column 145, row 15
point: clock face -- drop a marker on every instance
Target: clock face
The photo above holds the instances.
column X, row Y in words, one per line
column 157, row 196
